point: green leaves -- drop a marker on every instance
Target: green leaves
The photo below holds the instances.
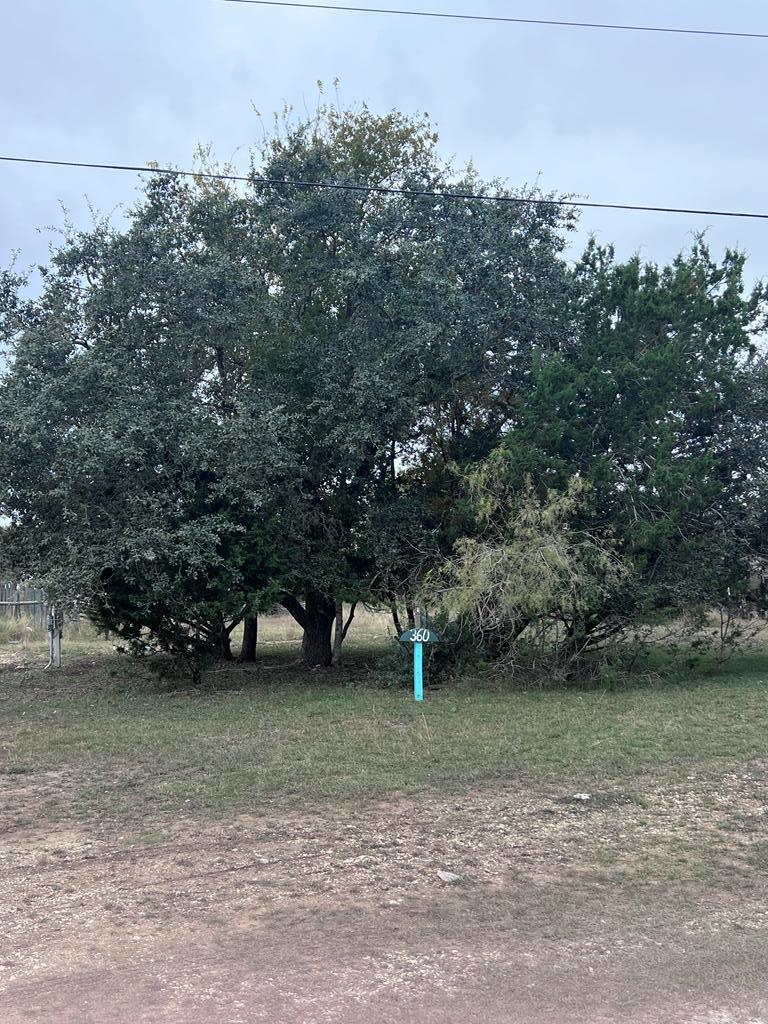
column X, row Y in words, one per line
column 251, row 393
column 650, row 407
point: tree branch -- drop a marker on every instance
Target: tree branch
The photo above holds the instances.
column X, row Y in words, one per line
column 289, row 602
column 238, row 618
column 349, row 620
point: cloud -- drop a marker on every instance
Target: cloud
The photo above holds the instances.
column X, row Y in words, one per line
column 617, row 116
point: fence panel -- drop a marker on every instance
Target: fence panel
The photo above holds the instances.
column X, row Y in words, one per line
column 18, row 601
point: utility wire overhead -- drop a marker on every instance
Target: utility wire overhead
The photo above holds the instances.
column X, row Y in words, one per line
column 379, row 189
column 502, row 18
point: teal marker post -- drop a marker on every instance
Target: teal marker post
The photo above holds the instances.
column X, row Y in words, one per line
column 418, row 670
column 418, row 637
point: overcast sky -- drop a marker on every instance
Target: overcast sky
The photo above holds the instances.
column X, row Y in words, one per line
column 613, row 116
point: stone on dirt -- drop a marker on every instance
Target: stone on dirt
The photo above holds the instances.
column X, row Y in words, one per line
column 448, row 876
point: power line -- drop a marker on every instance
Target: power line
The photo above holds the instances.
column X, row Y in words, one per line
column 508, row 20
column 380, row 189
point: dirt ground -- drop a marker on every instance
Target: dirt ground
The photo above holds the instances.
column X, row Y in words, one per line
column 642, row 906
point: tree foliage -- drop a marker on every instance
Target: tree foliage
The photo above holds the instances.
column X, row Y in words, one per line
column 637, row 453
column 287, row 393
column 213, row 405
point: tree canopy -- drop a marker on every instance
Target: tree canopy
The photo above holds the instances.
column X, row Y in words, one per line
column 627, row 487
column 278, row 394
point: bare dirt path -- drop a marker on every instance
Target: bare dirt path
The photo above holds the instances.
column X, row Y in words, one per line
column 649, row 906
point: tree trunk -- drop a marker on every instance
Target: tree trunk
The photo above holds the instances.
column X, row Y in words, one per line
column 223, row 645
column 220, row 639
column 348, row 623
column 341, row 628
column 319, row 616
column 396, row 619
column 411, row 616
column 250, row 635
column 338, row 632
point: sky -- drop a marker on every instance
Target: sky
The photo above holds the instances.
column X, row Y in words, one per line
column 611, row 116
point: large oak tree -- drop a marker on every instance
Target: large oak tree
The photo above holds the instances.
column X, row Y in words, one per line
column 248, row 395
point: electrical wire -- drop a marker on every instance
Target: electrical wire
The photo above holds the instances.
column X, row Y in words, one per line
column 382, row 189
column 505, row 19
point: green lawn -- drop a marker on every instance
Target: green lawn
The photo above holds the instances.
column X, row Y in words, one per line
column 96, row 740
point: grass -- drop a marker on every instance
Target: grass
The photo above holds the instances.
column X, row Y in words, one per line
column 128, row 788
column 26, row 635
column 100, row 738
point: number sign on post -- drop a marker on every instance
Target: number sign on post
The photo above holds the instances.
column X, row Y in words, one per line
column 418, row 637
